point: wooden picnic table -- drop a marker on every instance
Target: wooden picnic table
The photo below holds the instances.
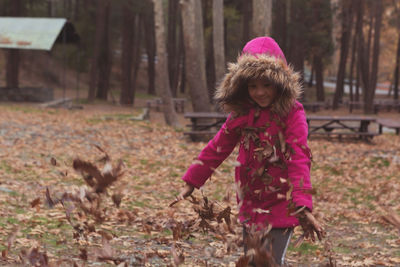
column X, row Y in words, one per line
column 204, row 123
column 388, row 123
column 314, row 106
column 353, row 126
column 378, row 105
column 179, row 104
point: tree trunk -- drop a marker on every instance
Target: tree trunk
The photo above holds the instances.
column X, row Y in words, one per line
column 210, row 67
column 150, row 47
column 360, row 47
column 94, row 68
column 347, row 13
column 296, row 51
column 13, row 55
column 209, row 63
column 280, row 24
column 50, row 8
column 246, row 20
column 319, row 77
column 397, row 72
column 162, row 67
column 138, row 36
column 363, row 61
column 194, row 54
column 127, row 55
column 173, row 11
column 310, row 81
column 104, row 56
column 182, row 64
column 353, row 53
column 262, row 18
column 218, row 39
column 369, row 103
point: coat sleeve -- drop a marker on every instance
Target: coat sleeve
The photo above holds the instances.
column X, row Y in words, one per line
column 216, row 151
column 299, row 160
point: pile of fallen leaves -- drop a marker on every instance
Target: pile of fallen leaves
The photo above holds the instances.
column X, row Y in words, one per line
column 108, row 212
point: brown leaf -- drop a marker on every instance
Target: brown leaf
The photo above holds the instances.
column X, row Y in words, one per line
column 11, row 237
column 106, row 156
column 105, row 235
column 35, row 202
column 83, row 254
column 106, row 252
column 226, row 215
column 392, row 218
column 35, row 257
column 177, row 256
column 49, row 200
column 243, row 261
column 53, row 161
column 116, row 198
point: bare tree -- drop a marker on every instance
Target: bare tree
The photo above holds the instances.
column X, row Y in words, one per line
column 163, row 84
column 296, row 49
column 218, row 39
column 127, row 54
column 347, row 18
column 246, row 8
column 150, row 46
column 397, row 66
column 105, row 55
column 319, row 78
column 262, row 17
column 370, row 94
column 94, row 68
column 280, row 23
column 173, row 44
column 137, row 55
column 369, row 75
column 353, row 53
column 194, row 54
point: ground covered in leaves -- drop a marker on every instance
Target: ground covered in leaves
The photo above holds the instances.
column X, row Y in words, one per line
column 49, row 214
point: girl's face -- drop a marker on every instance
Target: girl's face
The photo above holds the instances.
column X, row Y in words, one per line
column 262, row 92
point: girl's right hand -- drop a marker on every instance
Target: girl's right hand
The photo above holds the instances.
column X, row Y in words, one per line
column 311, row 226
column 186, row 191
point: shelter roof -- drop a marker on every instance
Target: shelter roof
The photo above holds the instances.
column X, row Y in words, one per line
column 29, row 33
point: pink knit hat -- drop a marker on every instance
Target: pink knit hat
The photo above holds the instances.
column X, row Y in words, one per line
column 264, row 45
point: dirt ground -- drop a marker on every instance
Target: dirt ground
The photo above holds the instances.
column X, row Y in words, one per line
column 357, row 187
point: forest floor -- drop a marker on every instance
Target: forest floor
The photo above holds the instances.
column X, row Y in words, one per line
column 357, row 197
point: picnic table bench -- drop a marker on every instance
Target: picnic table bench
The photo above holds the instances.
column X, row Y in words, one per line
column 387, row 104
column 314, row 106
column 352, row 126
column 389, row 123
column 378, row 105
column 204, row 124
column 179, row 104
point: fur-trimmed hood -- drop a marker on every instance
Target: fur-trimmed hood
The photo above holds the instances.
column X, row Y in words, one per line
column 260, row 58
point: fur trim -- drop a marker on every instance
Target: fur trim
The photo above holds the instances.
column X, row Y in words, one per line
column 232, row 94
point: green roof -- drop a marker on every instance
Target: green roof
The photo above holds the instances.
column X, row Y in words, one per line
column 29, row 33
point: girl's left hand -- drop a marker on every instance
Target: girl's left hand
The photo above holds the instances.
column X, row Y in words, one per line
column 310, row 225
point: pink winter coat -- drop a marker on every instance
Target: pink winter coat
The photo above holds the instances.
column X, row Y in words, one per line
column 274, row 171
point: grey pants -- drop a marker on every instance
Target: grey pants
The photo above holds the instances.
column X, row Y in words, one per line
column 280, row 238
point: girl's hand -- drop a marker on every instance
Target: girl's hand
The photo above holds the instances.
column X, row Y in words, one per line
column 310, row 225
column 186, row 191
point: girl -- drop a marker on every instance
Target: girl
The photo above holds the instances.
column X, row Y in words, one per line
column 273, row 180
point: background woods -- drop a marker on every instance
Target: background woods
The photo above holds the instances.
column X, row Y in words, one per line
column 349, row 42
column 90, row 184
